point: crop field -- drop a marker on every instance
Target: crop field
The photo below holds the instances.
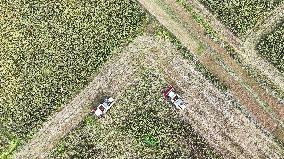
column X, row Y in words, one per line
column 271, row 47
column 59, row 59
column 240, row 16
column 140, row 125
column 49, row 50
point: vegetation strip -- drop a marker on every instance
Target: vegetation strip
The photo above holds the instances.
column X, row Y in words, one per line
column 240, row 16
column 251, row 55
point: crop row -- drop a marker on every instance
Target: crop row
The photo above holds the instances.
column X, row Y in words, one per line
column 49, row 50
column 240, row 16
column 140, row 125
column 271, row 47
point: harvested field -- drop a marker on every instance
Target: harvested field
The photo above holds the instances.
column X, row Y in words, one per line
column 140, row 125
column 61, row 58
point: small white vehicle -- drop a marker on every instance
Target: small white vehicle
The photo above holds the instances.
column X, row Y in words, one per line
column 104, row 107
column 170, row 95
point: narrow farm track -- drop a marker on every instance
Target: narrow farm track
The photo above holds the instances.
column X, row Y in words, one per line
column 209, row 111
column 114, row 77
column 246, row 47
column 239, row 82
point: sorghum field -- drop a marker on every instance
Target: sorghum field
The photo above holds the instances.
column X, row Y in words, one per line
column 140, row 125
column 49, row 50
column 240, row 16
column 271, row 47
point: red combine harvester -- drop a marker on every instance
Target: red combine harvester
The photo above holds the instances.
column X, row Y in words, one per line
column 170, row 95
column 104, row 107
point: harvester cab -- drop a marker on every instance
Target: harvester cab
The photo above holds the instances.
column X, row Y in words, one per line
column 170, row 95
column 103, row 107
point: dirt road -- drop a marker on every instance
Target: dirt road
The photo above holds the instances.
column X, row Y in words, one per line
column 113, row 77
column 238, row 83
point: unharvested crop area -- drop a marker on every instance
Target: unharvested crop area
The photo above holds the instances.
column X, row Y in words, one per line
column 271, row 47
column 140, row 125
column 240, row 16
column 49, row 50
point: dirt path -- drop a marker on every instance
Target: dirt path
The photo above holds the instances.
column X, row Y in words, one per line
column 246, row 48
column 238, row 84
column 210, row 112
column 114, row 76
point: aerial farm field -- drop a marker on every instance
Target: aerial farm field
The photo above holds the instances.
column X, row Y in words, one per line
column 60, row 59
